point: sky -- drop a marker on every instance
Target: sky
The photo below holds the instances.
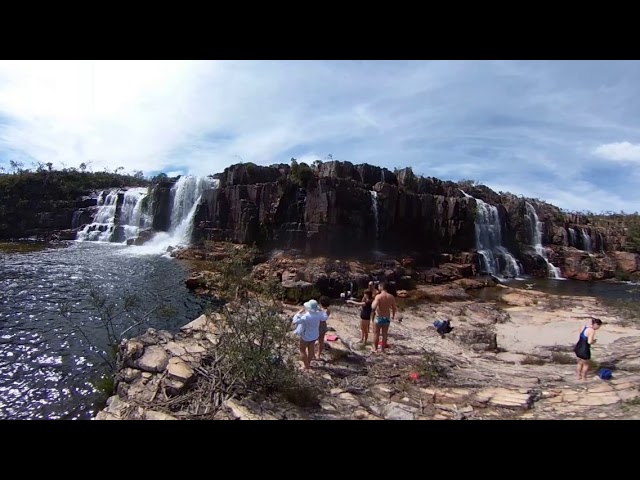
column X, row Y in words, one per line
column 567, row 132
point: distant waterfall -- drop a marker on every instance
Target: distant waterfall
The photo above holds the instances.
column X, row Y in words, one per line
column 586, row 240
column 132, row 218
column 535, row 228
column 496, row 259
column 374, row 209
column 572, row 237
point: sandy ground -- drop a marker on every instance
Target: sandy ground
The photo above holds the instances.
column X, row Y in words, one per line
column 534, row 326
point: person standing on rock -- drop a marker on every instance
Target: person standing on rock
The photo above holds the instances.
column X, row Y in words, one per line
column 366, row 312
column 307, row 322
column 325, row 302
column 385, row 309
column 583, row 347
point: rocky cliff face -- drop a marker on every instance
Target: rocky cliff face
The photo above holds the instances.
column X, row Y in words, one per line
column 338, row 208
column 342, row 209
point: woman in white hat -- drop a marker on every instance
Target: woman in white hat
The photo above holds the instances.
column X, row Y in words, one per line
column 307, row 322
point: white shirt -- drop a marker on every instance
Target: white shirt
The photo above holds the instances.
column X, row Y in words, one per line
column 308, row 324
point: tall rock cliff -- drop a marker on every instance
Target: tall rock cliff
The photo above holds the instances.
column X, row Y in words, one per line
column 340, row 209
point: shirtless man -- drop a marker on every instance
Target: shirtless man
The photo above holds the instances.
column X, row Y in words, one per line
column 384, row 306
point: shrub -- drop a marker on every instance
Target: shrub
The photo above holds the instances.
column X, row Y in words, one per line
column 431, row 367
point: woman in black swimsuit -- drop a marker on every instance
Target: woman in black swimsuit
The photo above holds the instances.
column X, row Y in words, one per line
column 583, row 347
column 366, row 312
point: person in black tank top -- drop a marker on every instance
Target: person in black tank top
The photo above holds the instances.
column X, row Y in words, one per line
column 583, row 347
column 366, row 312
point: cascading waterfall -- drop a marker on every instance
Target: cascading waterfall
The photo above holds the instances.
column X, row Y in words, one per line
column 374, row 209
column 489, row 242
column 586, row 240
column 102, row 227
column 132, row 218
column 186, row 195
column 535, row 227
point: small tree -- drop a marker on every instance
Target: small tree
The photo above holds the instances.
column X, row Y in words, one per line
column 117, row 317
column 255, row 346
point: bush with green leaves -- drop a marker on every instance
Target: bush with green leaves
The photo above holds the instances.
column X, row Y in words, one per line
column 255, row 344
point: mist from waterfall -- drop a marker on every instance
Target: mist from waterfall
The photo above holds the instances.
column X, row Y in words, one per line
column 535, row 229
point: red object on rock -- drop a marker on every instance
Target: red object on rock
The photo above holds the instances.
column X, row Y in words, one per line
column 414, row 376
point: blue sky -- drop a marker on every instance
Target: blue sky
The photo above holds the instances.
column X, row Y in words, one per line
column 567, row 132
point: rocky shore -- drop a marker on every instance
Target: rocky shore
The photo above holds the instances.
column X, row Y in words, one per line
column 507, row 358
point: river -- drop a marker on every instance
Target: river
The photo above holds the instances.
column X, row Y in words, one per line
column 48, row 369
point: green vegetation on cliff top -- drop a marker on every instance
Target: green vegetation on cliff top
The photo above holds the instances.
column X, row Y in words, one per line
column 25, row 193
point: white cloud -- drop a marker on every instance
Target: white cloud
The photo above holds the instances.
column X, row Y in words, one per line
column 619, row 152
column 514, row 123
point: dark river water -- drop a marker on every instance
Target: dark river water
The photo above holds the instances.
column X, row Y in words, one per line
column 611, row 293
column 48, row 369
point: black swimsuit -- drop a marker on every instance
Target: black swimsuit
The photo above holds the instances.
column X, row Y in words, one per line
column 582, row 348
column 365, row 312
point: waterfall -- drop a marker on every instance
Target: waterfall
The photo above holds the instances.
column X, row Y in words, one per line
column 75, row 221
column 131, row 219
column 586, row 240
column 496, row 259
column 374, row 209
column 102, row 227
column 186, row 195
column 535, row 227
column 382, row 175
column 572, row 237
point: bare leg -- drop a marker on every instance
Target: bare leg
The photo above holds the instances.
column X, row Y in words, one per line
column 385, row 330
column 585, row 369
column 303, row 354
column 364, row 330
column 312, row 350
column 376, row 336
column 579, row 369
column 320, row 343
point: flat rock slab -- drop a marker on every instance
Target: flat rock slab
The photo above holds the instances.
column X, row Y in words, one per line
column 179, row 370
column 596, row 400
column 153, row 415
column 201, row 324
column 349, row 399
column 175, row 348
column 510, row 357
column 504, row 397
column 154, row 359
column 397, row 411
column 241, row 412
